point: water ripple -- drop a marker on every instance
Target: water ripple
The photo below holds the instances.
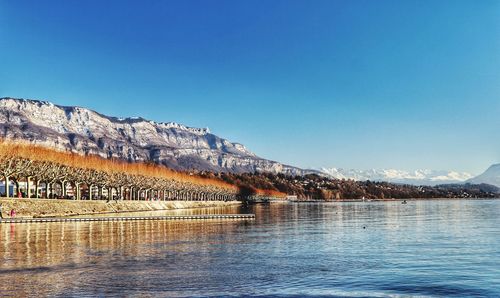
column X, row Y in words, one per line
column 377, row 249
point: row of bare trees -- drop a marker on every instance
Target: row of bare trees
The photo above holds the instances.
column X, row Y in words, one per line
column 48, row 173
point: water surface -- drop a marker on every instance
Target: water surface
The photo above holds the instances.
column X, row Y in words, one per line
column 376, row 249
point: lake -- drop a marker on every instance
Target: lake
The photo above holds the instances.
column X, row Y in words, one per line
column 423, row 248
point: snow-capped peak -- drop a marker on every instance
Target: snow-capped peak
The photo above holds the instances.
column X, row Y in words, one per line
column 490, row 176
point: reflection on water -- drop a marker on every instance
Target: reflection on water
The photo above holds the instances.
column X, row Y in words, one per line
column 190, row 211
column 426, row 248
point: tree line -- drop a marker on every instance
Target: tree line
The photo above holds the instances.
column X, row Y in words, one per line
column 70, row 175
column 318, row 187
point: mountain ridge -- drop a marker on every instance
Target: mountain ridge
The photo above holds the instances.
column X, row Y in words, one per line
column 416, row 177
column 85, row 131
column 180, row 147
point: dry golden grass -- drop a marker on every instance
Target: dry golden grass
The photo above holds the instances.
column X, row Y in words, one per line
column 24, row 150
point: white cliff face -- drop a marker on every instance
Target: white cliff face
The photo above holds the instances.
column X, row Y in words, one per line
column 417, row 177
column 135, row 139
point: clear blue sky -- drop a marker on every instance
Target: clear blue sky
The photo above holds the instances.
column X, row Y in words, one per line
column 354, row 84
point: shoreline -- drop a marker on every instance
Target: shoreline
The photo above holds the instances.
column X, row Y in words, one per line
column 46, row 208
column 391, row 200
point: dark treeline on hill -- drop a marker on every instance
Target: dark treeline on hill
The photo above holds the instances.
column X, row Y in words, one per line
column 315, row 187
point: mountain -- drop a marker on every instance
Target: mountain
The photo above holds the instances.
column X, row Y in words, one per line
column 172, row 144
column 490, row 176
column 418, row 177
column 85, row 131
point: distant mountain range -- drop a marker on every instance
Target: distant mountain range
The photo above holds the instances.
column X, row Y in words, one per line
column 175, row 145
column 417, row 177
column 134, row 139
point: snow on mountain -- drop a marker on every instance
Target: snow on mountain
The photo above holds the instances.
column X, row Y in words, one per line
column 417, row 177
column 172, row 144
column 85, row 131
column 490, row 176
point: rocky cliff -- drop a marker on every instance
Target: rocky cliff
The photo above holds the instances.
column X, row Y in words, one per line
column 85, row 131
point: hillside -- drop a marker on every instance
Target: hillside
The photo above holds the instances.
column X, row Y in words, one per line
column 315, row 187
column 85, row 131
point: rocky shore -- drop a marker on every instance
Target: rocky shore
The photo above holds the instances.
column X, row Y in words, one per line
column 56, row 208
